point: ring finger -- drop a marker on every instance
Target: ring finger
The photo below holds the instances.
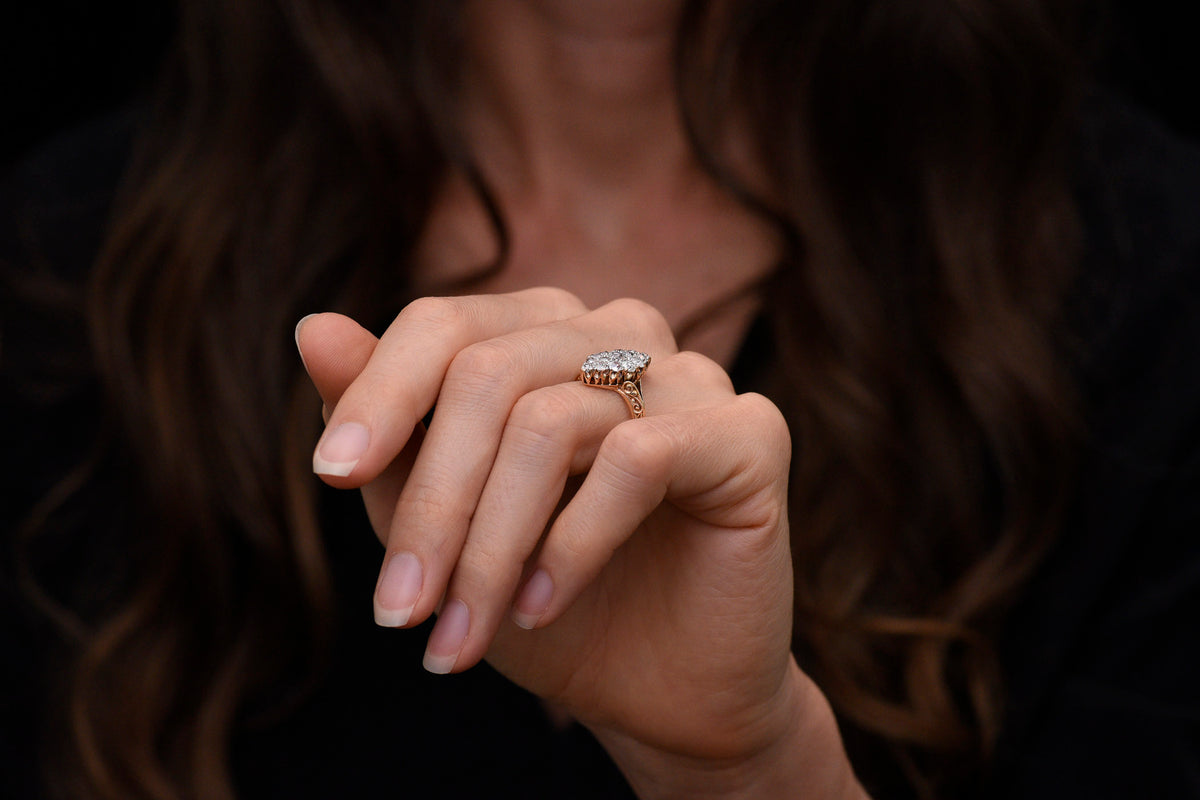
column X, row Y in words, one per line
column 481, row 387
column 551, row 433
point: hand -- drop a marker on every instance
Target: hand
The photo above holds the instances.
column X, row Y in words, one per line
column 658, row 593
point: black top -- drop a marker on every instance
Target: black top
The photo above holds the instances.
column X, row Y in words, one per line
column 1102, row 655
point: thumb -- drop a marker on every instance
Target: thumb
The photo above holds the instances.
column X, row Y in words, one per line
column 335, row 349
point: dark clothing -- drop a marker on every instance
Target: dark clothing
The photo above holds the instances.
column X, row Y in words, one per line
column 1102, row 655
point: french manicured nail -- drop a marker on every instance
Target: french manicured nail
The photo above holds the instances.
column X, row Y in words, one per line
column 447, row 638
column 340, row 449
column 398, row 590
column 299, row 325
column 534, row 600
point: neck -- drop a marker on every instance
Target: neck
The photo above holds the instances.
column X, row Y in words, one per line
column 568, row 96
column 570, row 111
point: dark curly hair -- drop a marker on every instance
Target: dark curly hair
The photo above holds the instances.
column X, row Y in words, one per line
column 919, row 180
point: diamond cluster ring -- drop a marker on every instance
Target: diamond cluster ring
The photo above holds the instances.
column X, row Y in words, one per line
column 621, row 371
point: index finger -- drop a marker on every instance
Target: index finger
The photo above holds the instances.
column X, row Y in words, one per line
column 377, row 412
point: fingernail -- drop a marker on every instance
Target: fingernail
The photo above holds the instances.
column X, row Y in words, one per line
column 298, row 326
column 447, row 638
column 534, row 600
column 340, row 449
column 398, row 590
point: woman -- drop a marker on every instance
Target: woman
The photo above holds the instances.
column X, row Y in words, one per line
column 864, row 212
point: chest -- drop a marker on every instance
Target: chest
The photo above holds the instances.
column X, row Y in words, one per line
column 696, row 257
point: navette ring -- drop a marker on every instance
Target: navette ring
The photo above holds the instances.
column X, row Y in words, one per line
column 621, row 371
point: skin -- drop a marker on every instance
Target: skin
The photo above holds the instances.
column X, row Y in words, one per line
column 635, row 572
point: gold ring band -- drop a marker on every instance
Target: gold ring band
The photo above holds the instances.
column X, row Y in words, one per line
column 621, row 371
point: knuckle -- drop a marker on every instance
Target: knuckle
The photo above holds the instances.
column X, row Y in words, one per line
column 563, row 303
column 633, row 307
column 476, row 569
column 486, row 360
column 435, row 312
column 644, row 452
column 702, row 370
column 642, row 316
column 766, row 418
column 427, row 504
column 545, row 416
column 477, row 373
column 571, row 547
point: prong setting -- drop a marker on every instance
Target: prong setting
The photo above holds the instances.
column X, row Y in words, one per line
column 620, row 370
column 614, row 367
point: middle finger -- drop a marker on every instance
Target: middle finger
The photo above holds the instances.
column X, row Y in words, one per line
column 551, row 433
column 481, row 387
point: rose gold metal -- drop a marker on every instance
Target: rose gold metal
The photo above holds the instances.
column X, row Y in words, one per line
column 627, row 383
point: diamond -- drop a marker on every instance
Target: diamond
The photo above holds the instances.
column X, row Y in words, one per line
column 614, row 366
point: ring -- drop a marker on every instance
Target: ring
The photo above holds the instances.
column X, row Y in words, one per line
column 620, row 370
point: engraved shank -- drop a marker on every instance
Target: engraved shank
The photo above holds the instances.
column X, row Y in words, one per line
column 621, row 371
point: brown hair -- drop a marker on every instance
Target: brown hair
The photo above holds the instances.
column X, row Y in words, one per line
column 920, row 149
column 919, row 180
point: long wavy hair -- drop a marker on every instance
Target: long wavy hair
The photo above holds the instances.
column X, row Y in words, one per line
column 920, row 183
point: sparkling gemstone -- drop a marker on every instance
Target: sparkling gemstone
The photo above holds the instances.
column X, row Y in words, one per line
column 627, row 361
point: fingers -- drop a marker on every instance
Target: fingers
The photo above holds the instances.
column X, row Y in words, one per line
column 551, row 433
column 402, row 378
column 335, row 350
column 723, row 465
column 481, row 388
column 467, row 523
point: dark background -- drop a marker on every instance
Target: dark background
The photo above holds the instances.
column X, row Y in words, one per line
column 65, row 61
